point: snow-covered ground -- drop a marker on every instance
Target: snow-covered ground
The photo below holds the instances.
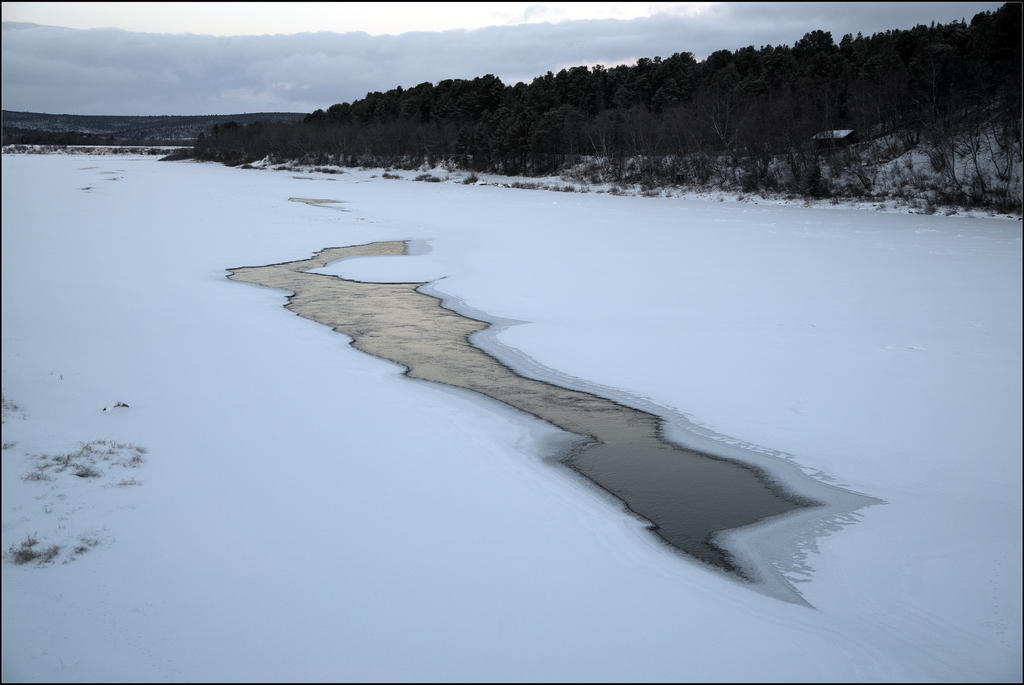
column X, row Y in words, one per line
column 301, row 511
column 93, row 150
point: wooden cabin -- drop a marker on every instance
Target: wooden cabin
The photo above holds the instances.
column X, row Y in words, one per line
column 831, row 139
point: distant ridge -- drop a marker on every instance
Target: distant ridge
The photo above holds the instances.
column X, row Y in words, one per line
column 38, row 127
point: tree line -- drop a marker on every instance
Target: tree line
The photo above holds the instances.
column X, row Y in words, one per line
column 743, row 118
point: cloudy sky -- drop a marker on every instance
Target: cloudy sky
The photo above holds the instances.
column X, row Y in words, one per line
column 228, row 58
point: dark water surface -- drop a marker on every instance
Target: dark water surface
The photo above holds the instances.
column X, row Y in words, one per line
column 687, row 495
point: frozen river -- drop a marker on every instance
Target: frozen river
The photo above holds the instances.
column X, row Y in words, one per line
column 306, row 511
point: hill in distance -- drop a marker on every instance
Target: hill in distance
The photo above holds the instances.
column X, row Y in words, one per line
column 35, row 127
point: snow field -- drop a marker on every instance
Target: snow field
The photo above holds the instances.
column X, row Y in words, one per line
column 307, row 513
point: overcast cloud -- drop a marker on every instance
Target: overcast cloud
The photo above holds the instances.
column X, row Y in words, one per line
column 111, row 71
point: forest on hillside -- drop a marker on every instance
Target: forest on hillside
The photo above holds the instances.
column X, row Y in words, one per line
column 36, row 128
column 817, row 119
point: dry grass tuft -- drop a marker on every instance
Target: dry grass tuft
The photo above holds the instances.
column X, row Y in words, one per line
column 27, row 551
